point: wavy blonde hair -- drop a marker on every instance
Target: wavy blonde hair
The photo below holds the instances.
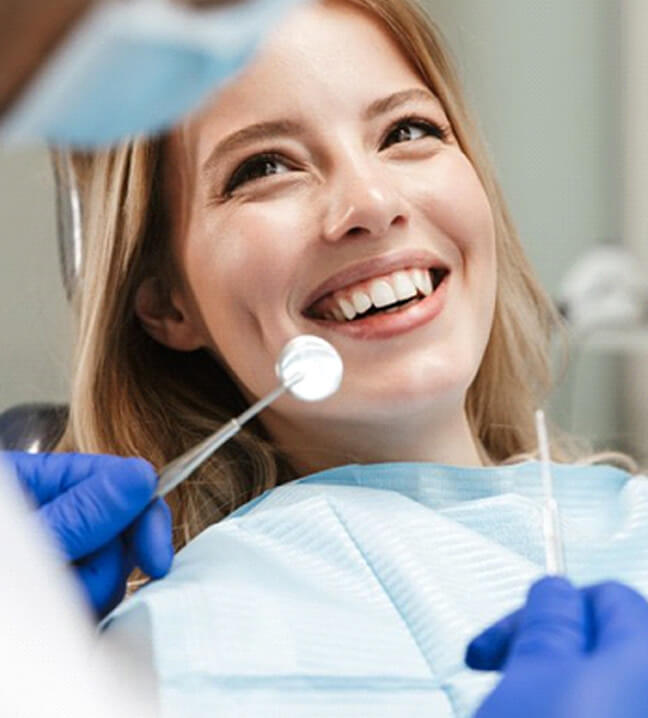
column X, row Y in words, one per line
column 133, row 396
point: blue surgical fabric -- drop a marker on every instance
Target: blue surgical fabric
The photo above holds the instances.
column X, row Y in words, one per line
column 137, row 67
column 353, row 592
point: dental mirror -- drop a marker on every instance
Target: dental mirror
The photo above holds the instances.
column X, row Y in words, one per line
column 316, row 361
column 308, row 367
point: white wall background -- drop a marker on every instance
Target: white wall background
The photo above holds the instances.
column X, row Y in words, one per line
column 34, row 324
column 635, row 200
column 543, row 78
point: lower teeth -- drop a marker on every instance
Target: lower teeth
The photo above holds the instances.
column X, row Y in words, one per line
column 390, row 310
column 375, row 310
column 400, row 307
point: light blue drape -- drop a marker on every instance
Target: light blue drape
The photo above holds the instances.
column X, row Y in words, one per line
column 353, row 592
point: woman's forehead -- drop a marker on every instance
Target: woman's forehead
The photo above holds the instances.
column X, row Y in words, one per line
column 323, row 59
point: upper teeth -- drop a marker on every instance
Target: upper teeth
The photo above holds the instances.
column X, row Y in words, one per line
column 346, row 303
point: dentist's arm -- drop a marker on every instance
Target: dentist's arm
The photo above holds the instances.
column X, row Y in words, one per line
column 29, row 32
column 568, row 653
column 98, row 509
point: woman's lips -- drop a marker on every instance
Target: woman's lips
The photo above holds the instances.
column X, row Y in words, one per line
column 371, row 268
column 386, row 325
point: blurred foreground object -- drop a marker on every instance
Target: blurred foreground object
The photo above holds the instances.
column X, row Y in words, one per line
column 136, row 67
column 52, row 663
column 100, row 512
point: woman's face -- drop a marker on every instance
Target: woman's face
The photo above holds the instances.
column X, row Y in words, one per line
column 330, row 197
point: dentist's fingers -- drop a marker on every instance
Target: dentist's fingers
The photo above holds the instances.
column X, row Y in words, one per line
column 149, row 540
column 554, row 623
column 618, row 613
column 489, row 650
column 104, row 575
column 94, row 510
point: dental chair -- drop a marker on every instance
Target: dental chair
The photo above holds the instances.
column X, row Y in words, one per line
column 32, row 427
column 38, row 426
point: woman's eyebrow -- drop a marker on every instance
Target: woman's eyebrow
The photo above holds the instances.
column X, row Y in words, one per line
column 251, row 133
column 275, row 128
column 385, row 104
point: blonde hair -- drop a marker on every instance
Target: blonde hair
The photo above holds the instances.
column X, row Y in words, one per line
column 132, row 396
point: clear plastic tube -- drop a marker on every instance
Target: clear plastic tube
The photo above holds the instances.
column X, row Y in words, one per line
column 554, row 549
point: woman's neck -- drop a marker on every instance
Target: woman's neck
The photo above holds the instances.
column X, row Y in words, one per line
column 312, row 448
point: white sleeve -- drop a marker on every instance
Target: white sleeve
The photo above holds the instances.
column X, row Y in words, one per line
column 52, row 663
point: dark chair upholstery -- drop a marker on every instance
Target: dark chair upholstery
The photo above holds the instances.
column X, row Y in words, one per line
column 32, row 427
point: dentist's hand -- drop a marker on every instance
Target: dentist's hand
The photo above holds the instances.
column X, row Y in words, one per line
column 98, row 509
column 568, row 653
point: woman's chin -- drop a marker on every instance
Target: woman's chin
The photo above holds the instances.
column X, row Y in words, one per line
column 408, row 385
column 402, row 405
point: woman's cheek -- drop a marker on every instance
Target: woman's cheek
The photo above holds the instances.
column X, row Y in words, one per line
column 262, row 250
column 454, row 201
column 270, row 228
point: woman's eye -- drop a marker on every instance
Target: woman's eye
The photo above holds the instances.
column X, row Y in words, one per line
column 255, row 168
column 408, row 130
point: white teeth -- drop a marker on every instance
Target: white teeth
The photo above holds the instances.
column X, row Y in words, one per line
column 361, row 302
column 422, row 281
column 397, row 287
column 347, row 308
column 382, row 293
column 427, row 283
column 403, row 286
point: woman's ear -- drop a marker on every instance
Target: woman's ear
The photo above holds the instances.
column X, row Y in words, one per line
column 164, row 316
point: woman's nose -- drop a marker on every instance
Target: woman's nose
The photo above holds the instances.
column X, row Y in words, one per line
column 362, row 203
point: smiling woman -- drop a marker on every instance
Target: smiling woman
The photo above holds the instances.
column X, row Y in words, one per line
column 335, row 176
column 351, row 186
column 336, row 187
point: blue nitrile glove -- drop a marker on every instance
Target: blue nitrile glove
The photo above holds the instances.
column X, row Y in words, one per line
column 98, row 508
column 568, row 653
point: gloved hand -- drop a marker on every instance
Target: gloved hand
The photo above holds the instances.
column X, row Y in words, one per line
column 568, row 653
column 97, row 508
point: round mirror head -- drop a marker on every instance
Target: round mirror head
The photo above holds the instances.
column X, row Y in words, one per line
column 316, row 361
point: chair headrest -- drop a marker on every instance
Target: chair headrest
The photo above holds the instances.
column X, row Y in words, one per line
column 32, row 427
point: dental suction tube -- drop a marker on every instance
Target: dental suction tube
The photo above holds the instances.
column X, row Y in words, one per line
column 554, row 548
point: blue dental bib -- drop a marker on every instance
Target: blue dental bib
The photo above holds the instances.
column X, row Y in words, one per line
column 353, row 592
